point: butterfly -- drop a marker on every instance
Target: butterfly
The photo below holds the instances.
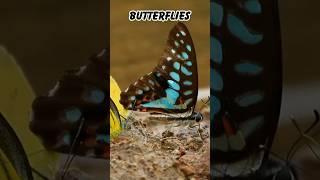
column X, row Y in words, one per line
column 246, row 85
column 172, row 87
column 73, row 118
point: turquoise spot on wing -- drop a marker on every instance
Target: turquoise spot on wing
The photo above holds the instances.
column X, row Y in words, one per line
column 172, row 95
column 216, row 50
column 103, row 138
column 188, row 101
column 187, row 83
column 176, row 43
column 173, row 85
column 215, row 104
column 248, row 68
column 186, row 71
column 216, row 14
column 248, row 127
column 94, row 96
column 176, row 65
column 175, row 76
column 239, row 29
column 67, row 139
column 188, row 47
column 253, row 6
column 188, row 63
column 139, row 91
column 185, row 55
column 72, row 114
column 249, row 98
column 216, row 80
column 151, row 82
column 187, row 93
column 165, row 103
column 178, row 56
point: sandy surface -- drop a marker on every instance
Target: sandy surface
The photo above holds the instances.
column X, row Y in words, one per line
column 161, row 149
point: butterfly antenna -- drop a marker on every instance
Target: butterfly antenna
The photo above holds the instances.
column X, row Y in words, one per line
column 294, row 166
column 316, row 121
column 296, row 142
column 70, row 158
column 293, row 149
column 205, row 103
column 264, row 148
column 121, row 116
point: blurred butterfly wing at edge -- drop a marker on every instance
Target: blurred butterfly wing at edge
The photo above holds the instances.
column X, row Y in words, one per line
column 80, row 95
column 246, row 84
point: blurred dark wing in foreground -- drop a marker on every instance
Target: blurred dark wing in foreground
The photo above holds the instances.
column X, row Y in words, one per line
column 72, row 118
column 246, row 84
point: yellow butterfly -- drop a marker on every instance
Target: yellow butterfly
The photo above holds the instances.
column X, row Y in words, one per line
column 117, row 111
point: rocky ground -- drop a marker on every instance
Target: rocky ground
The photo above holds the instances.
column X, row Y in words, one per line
column 161, row 149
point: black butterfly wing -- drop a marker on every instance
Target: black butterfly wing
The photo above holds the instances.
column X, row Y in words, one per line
column 172, row 86
column 79, row 97
column 246, row 83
